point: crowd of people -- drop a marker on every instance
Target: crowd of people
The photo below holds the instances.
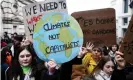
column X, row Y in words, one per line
column 20, row 62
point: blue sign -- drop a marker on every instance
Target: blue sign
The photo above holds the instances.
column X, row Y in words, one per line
column 57, row 36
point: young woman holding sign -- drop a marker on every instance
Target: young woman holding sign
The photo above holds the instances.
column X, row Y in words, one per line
column 25, row 67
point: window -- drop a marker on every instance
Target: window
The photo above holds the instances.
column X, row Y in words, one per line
column 125, row 21
column 124, row 31
column 125, row 6
column 14, row 26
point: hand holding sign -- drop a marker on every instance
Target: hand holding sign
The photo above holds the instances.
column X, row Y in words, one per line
column 51, row 66
column 120, row 60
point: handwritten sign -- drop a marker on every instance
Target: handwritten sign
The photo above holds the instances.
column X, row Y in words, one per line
column 57, row 36
column 98, row 26
column 33, row 12
column 127, row 44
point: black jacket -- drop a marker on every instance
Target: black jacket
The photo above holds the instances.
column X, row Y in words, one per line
column 66, row 68
column 125, row 74
column 40, row 73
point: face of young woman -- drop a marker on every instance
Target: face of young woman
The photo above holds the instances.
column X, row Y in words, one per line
column 114, row 47
column 96, row 53
column 108, row 67
column 25, row 58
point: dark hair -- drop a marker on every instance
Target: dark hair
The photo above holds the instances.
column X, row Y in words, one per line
column 18, row 38
column 16, row 67
column 103, row 61
column 105, row 50
column 4, row 55
column 99, row 48
column 6, row 32
column 15, row 33
column 101, row 64
column 116, row 46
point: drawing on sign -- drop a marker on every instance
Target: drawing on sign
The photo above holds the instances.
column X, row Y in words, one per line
column 57, row 36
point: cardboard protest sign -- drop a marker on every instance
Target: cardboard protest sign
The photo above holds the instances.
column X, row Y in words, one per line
column 98, row 26
column 33, row 12
column 57, row 36
column 127, row 45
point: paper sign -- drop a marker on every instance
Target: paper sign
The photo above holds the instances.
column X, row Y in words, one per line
column 57, row 36
column 33, row 12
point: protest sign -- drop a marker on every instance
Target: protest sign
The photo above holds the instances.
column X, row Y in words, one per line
column 98, row 26
column 127, row 45
column 33, row 12
column 57, row 36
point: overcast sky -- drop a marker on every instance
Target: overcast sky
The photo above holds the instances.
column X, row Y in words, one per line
column 80, row 5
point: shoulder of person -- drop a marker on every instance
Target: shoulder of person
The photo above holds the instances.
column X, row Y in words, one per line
column 9, row 45
column 6, row 48
column 88, row 54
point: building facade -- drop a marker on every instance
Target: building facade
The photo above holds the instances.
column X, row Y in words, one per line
column 12, row 17
column 123, row 16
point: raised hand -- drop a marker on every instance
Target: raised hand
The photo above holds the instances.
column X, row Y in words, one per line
column 119, row 58
column 51, row 66
column 82, row 52
column 89, row 46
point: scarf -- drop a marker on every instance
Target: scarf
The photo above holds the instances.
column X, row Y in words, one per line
column 27, row 71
